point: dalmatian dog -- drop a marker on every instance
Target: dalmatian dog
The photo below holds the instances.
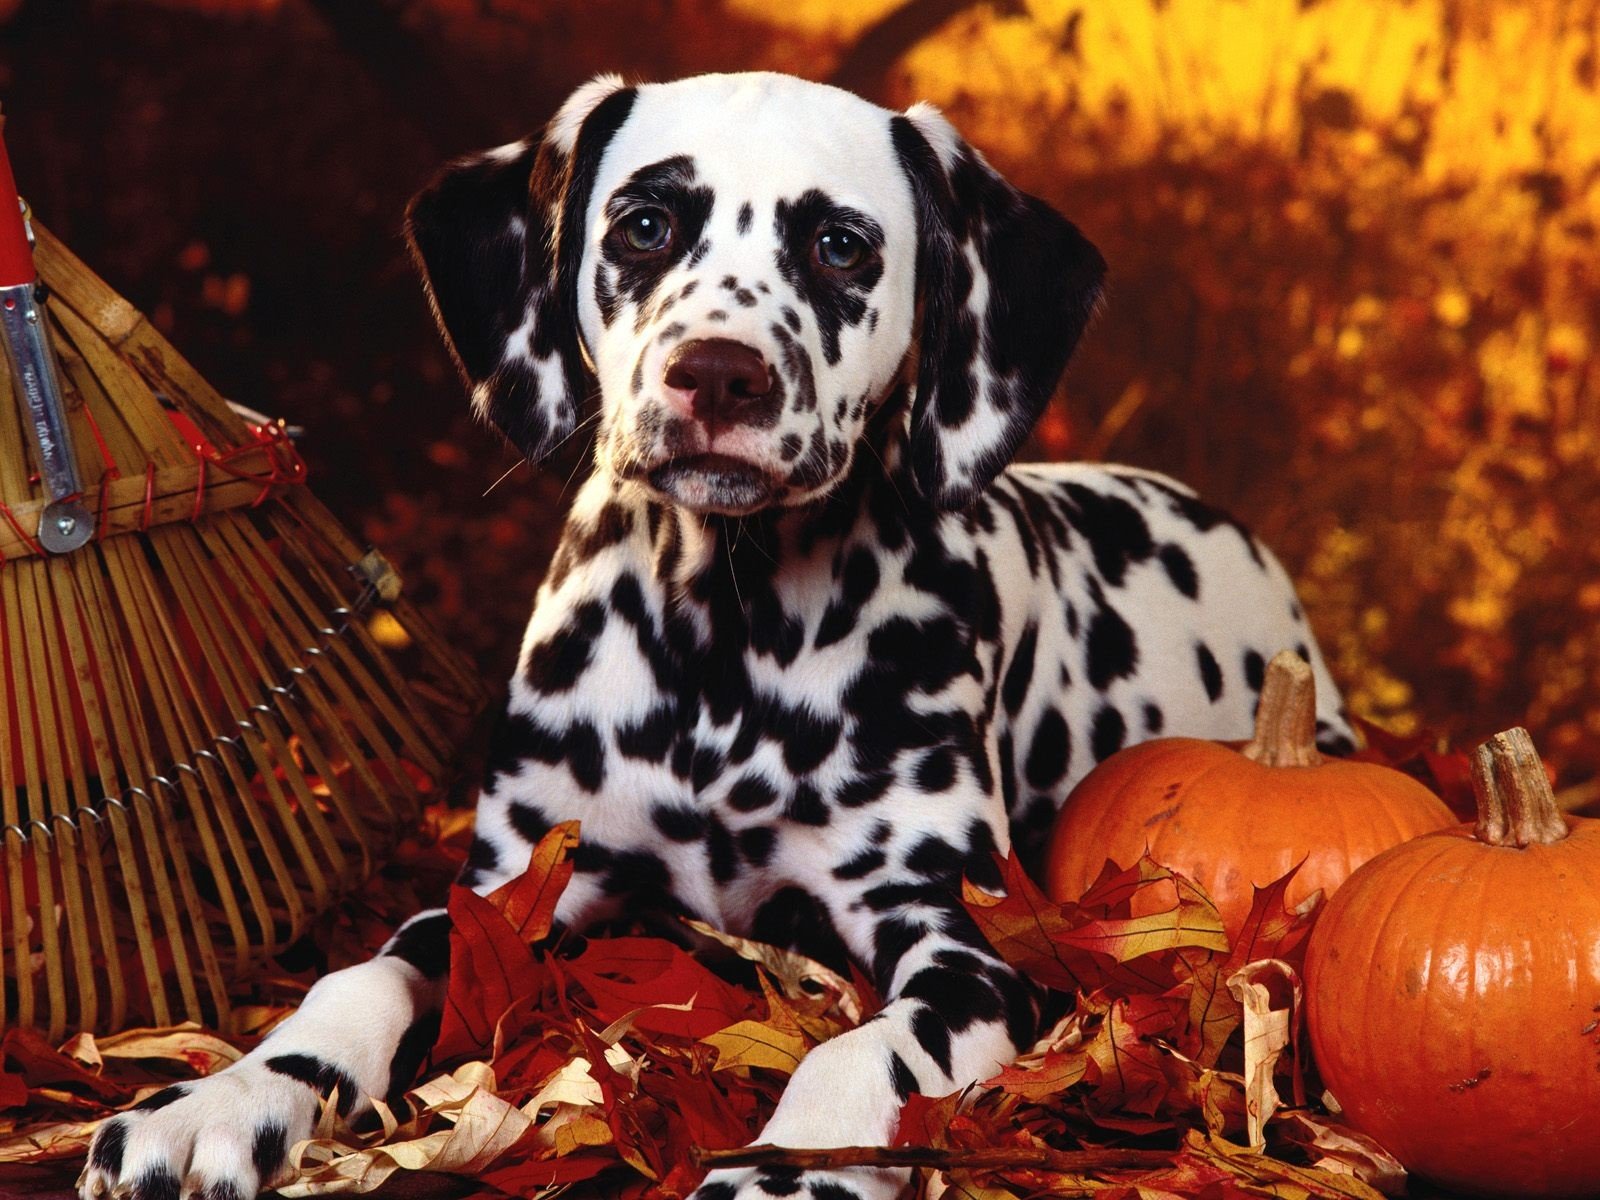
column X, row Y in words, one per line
column 809, row 650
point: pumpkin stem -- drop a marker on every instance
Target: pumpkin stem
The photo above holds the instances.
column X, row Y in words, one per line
column 1515, row 804
column 1286, row 718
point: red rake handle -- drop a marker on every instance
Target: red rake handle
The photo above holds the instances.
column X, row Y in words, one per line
column 64, row 523
column 16, row 258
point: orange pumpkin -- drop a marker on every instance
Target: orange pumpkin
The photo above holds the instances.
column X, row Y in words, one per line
column 1453, row 992
column 1233, row 819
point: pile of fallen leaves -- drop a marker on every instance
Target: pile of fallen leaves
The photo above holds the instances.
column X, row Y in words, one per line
column 626, row 1055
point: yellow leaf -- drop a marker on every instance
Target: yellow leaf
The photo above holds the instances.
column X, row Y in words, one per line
column 754, row 1044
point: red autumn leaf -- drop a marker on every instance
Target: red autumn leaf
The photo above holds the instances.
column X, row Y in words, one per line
column 13, row 1090
column 491, row 968
column 627, row 973
column 1025, row 927
column 530, row 1177
column 925, row 1120
column 1126, row 1070
column 25, row 1051
column 1053, row 1074
column 528, row 902
column 1191, row 921
column 1272, row 930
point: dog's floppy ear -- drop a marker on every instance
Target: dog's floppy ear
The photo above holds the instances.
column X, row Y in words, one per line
column 498, row 239
column 1006, row 286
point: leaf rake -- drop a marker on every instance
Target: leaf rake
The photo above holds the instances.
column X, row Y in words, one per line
column 217, row 710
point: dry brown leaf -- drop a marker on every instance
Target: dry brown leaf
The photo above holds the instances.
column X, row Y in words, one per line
column 40, row 1142
column 201, row 1052
column 801, row 978
column 1335, row 1146
column 1269, row 992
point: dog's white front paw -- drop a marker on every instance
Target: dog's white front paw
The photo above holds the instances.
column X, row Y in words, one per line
column 789, row 1183
column 225, row 1137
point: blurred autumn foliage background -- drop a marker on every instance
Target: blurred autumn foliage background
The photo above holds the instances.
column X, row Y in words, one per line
column 1355, row 275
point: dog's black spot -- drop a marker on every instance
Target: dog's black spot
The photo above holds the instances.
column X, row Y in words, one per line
column 721, row 856
column 805, row 807
column 650, row 737
column 1108, row 733
column 268, row 1149
column 891, row 939
column 409, row 1054
column 1020, row 673
column 779, row 1181
column 1113, row 652
column 933, row 1035
column 1210, row 671
column 937, row 770
column 321, row 1076
column 424, row 942
column 586, row 756
column 678, row 822
column 556, row 664
column 156, row 1183
column 900, row 1075
column 481, row 857
column 836, row 299
column 746, row 216
column 861, row 865
column 864, row 789
column 796, row 920
column 161, row 1099
column 751, row 792
column 109, row 1142
column 1154, row 718
column 1115, row 530
column 756, row 844
column 1049, row 751
column 1255, row 669
column 1180, row 569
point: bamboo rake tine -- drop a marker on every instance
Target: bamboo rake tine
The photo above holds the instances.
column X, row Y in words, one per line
column 223, row 616
column 227, row 674
column 429, row 743
column 314, row 515
column 178, row 863
column 21, row 698
column 132, row 751
column 40, row 733
column 172, row 714
column 64, row 604
column 248, row 572
column 140, row 754
column 268, row 572
column 145, row 604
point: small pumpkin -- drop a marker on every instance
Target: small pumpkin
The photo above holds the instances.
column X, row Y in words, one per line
column 1236, row 818
column 1453, row 992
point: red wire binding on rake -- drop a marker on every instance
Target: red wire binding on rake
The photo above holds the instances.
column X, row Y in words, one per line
column 286, row 467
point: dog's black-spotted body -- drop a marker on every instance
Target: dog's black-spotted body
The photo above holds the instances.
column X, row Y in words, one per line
column 806, row 654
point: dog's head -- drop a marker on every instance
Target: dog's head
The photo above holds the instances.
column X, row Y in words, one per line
column 749, row 265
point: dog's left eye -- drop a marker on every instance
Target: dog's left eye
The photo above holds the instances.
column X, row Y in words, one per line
column 646, row 229
column 839, row 249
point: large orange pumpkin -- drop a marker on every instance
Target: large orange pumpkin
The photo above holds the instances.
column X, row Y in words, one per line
column 1233, row 819
column 1453, row 992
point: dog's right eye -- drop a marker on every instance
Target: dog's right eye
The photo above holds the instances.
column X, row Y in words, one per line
column 646, row 229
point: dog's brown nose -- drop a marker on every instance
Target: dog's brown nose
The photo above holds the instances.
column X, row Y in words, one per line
column 723, row 381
